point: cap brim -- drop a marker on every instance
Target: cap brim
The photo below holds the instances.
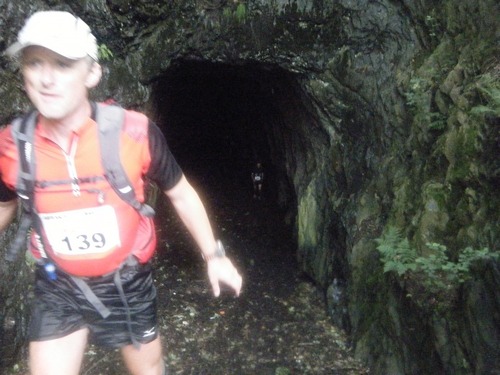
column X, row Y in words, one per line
column 17, row 47
column 14, row 49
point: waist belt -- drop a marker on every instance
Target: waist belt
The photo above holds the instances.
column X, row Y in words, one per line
column 97, row 303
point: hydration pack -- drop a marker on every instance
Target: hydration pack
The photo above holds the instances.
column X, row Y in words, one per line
column 109, row 119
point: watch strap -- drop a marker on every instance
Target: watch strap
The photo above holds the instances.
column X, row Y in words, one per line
column 219, row 252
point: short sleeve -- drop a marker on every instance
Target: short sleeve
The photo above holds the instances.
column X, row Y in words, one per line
column 163, row 169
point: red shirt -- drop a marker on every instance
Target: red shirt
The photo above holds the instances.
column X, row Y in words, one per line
column 88, row 229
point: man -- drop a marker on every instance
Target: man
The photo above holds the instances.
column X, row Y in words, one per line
column 100, row 245
column 258, row 180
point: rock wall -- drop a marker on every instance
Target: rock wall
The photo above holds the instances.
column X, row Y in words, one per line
column 388, row 120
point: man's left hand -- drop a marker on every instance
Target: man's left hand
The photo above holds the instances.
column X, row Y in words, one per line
column 223, row 270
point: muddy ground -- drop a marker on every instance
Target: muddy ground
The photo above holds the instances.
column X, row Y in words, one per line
column 278, row 325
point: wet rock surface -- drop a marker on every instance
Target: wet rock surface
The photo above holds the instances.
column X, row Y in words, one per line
column 278, row 325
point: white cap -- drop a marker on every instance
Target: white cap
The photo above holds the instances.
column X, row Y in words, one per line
column 60, row 32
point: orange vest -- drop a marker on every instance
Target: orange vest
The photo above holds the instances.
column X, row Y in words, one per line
column 88, row 229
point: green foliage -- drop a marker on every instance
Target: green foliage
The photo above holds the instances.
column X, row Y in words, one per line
column 436, row 272
column 414, row 97
column 418, row 98
column 440, row 271
column 437, row 121
column 241, row 13
column 433, row 24
column 397, row 255
column 489, row 87
column 282, row 371
column 430, row 21
column 104, row 53
column 227, row 13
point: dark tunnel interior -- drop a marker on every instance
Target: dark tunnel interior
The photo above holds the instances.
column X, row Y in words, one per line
column 216, row 118
column 219, row 121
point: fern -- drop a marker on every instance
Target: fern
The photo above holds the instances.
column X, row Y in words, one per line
column 490, row 88
column 439, row 271
column 104, row 53
column 483, row 110
column 397, row 254
column 437, row 121
column 433, row 280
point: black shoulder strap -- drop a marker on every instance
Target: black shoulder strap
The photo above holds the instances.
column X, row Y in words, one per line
column 110, row 121
column 23, row 132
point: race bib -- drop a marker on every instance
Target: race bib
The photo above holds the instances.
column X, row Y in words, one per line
column 257, row 178
column 85, row 231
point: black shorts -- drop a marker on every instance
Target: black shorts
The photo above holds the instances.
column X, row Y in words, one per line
column 60, row 308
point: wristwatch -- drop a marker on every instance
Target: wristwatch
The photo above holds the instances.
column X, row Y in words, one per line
column 219, row 252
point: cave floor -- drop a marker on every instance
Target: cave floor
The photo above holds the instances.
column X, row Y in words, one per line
column 278, row 325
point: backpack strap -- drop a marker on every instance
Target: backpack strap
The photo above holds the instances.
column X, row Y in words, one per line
column 23, row 132
column 110, row 121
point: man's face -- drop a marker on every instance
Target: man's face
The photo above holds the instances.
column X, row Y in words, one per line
column 56, row 85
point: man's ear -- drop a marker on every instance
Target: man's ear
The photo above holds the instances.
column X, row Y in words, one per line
column 94, row 75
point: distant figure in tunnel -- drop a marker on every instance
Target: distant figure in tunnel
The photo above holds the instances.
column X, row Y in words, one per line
column 258, row 180
column 91, row 242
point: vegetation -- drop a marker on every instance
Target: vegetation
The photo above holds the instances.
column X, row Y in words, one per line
column 436, row 273
column 419, row 98
column 489, row 87
column 239, row 14
column 104, row 53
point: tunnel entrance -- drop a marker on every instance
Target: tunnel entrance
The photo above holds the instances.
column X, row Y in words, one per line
column 217, row 119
